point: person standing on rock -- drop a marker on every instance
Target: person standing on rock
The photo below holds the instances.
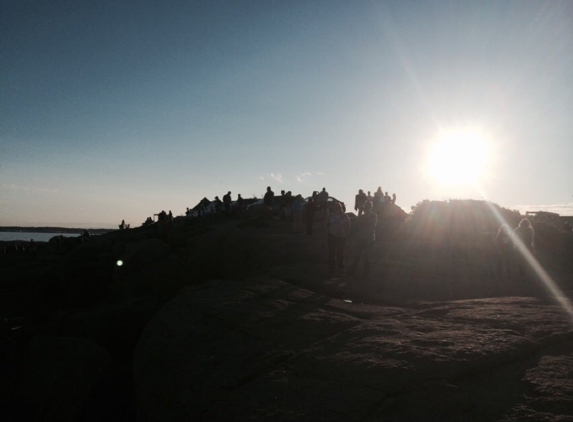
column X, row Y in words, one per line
column 227, row 203
column 323, row 198
column 268, row 198
column 296, row 208
column 524, row 244
column 310, row 210
column 359, row 201
column 503, row 251
column 365, row 239
column 338, row 226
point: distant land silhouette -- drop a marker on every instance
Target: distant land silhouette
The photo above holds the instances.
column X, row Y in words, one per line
column 51, row 230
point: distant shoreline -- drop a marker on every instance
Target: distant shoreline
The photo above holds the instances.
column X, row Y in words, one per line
column 52, row 230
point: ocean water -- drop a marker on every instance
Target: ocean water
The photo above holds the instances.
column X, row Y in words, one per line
column 26, row 236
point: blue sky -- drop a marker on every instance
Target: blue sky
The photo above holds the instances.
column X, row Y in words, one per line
column 116, row 110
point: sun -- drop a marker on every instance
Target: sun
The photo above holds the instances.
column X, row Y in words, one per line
column 459, row 157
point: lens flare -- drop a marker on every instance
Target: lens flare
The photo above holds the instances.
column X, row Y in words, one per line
column 540, row 272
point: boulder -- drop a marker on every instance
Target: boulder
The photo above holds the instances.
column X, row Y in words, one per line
column 137, row 256
column 61, row 375
column 87, row 274
column 265, row 349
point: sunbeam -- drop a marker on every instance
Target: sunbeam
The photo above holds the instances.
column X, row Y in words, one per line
column 542, row 275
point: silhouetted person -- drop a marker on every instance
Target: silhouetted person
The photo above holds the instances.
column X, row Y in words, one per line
column 288, row 201
column 323, row 198
column 240, row 203
column 296, row 209
column 310, row 210
column 393, row 198
column 338, row 226
column 268, row 198
column 378, row 197
column 227, row 203
column 504, row 251
column 359, row 201
column 33, row 248
column 161, row 218
column 218, row 204
column 365, row 237
column 122, row 225
column 523, row 235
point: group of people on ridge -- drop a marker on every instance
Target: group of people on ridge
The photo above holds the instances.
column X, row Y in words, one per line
column 513, row 248
column 377, row 200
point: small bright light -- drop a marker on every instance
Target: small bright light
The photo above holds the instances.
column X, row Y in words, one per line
column 459, row 157
column 119, row 263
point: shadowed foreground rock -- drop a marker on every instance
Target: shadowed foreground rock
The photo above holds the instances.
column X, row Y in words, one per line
column 228, row 319
column 268, row 350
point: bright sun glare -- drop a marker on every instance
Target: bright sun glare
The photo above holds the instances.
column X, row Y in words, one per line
column 459, row 157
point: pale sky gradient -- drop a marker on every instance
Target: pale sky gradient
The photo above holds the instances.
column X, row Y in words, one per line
column 118, row 109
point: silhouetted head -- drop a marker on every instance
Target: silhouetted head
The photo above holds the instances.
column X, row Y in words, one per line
column 337, row 208
column 524, row 223
column 504, row 228
column 367, row 206
column 360, row 191
column 268, row 188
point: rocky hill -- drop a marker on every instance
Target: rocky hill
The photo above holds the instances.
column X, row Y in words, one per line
column 235, row 318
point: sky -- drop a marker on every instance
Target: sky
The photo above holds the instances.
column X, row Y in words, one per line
column 114, row 110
